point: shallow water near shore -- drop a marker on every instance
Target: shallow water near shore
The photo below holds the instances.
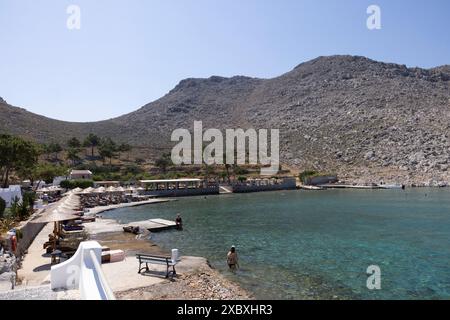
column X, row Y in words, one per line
column 317, row 244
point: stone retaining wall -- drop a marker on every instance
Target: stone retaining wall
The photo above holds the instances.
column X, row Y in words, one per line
column 29, row 232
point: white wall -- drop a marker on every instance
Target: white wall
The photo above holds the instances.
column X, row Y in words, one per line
column 8, row 194
column 80, row 272
column 57, row 180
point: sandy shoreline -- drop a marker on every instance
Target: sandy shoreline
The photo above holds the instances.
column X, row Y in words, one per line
column 100, row 209
column 195, row 278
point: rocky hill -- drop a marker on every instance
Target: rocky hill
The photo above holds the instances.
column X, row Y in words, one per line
column 357, row 117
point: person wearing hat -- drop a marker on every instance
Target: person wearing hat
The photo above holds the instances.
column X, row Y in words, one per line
column 232, row 259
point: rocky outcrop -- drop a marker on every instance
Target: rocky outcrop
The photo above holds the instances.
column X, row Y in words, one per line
column 8, row 270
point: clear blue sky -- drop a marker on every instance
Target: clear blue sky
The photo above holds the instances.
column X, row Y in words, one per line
column 129, row 53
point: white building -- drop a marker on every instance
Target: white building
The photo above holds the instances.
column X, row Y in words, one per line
column 9, row 194
column 80, row 174
column 57, row 180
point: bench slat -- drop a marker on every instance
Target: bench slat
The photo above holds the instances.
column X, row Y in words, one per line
column 154, row 259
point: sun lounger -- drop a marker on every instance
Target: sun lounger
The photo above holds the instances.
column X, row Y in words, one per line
column 88, row 219
column 73, row 228
column 113, row 256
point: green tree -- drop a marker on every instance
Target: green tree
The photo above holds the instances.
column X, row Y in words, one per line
column 163, row 162
column 125, row 147
column 72, row 184
column 43, row 171
column 107, row 149
column 46, row 150
column 47, row 172
column 72, row 155
column 306, row 175
column 242, row 179
column 16, row 154
column 55, row 148
column 74, row 143
column 91, row 141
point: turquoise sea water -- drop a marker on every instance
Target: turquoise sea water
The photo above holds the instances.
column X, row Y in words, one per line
column 318, row 244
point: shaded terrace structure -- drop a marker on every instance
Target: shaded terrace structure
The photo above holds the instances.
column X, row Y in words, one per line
column 179, row 187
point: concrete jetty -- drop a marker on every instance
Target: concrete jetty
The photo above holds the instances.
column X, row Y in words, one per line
column 347, row 186
column 155, row 225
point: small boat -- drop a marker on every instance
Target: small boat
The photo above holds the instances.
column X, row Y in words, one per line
column 312, row 188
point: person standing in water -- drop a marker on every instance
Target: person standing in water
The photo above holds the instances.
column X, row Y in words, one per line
column 232, row 259
column 179, row 222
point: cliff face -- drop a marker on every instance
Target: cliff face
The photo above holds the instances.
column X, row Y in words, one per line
column 350, row 115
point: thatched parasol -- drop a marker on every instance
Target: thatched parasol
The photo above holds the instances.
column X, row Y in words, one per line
column 100, row 190
column 111, row 189
column 56, row 216
column 77, row 190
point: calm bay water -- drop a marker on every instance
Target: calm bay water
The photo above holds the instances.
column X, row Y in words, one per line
column 309, row 244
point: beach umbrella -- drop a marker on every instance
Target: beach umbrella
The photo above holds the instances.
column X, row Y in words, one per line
column 56, row 216
column 54, row 189
column 100, row 190
column 73, row 200
column 77, row 190
column 65, row 210
column 69, row 206
column 130, row 189
column 120, row 189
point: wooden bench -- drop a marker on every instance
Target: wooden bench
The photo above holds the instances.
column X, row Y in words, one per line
column 152, row 259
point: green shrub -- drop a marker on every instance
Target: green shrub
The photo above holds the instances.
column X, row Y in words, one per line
column 28, row 198
column 305, row 175
column 72, row 184
column 2, row 207
column 240, row 171
column 133, row 169
column 20, row 209
column 66, row 184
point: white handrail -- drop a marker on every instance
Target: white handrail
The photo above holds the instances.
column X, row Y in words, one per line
column 108, row 292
